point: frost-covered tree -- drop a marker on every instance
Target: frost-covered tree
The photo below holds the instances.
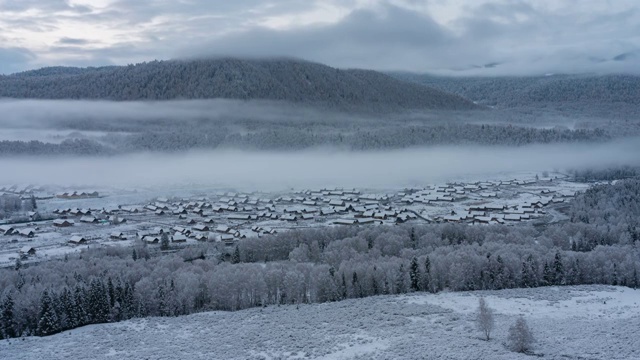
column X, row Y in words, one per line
column 520, row 339
column 414, row 275
column 484, row 318
column 48, row 322
column 164, row 241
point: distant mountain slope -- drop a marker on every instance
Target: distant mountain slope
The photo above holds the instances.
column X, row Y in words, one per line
column 537, row 90
column 274, row 79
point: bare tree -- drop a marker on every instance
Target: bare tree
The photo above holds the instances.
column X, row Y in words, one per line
column 520, row 338
column 485, row 319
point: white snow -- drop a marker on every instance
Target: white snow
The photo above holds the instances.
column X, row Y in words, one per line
column 581, row 322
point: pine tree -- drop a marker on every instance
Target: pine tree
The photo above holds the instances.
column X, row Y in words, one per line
column 548, row 277
column 414, row 274
column 355, row 285
column 400, row 283
column 7, row 321
column 559, row 276
column 426, row 276
column 529, row 273
column 162, row 301
column 164, row 241
column 34, row 205
column 111, row 291
column 79, row 315
column 235, row 258
column 48, row 322
column 413, row 238
column 134, row 255
column 344, row 287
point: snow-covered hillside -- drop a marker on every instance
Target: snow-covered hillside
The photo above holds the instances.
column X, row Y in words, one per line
column 581, row 322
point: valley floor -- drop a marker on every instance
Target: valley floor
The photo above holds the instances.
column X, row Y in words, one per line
column 577, row 322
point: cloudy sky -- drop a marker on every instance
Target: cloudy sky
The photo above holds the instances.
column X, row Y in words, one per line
column 440, row 36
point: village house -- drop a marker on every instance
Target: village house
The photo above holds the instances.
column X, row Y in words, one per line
column 201, row 227
column 63, row 223
column 77, row 240
column 179, row 238
column 27, row 232
column 117, row 236
column 88, row 219
column 151, row 239
column 28, row 250
column 6, row 230
column 345, row 222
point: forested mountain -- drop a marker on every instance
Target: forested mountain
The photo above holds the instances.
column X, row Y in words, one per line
column 271, row 79
column 537, row 90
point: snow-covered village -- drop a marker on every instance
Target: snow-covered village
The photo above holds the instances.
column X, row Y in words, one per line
column 59, row 222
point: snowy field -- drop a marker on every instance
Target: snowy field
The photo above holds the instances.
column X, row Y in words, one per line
column 582, row 322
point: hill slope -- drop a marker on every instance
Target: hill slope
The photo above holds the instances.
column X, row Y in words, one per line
column 564, row 321
column 274, row 79
column 537, row 90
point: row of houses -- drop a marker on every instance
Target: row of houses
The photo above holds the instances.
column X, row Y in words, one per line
column 77, row 194
column 8, row 230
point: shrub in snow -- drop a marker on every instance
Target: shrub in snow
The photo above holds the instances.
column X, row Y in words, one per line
column 520, row 338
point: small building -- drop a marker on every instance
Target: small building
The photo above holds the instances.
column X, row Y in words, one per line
column 289, row 217
column 202, row 237
column 28, row 250
column 27, row 232
column 88, row 219
column 201, row 227
column 151, row 239
column 77, row 240
column 63, row 223
column 223, row 229
column 117, row 236
column 179, row 238
column 345, row 222
column 6, row 230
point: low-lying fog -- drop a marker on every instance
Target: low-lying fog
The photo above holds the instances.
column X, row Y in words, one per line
column 315, row 169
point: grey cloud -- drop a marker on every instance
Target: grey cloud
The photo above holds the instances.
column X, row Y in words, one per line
column 365, row 38
column 73, row 41
column 515, row 37
column 14, row 59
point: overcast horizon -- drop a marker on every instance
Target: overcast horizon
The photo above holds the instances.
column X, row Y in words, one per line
column 462, row 37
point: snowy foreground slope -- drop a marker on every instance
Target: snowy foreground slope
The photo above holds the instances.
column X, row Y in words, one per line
column 581, row 322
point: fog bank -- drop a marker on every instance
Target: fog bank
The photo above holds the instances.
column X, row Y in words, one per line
column 313, row 169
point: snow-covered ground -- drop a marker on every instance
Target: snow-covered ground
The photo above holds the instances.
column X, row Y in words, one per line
column 583, row 322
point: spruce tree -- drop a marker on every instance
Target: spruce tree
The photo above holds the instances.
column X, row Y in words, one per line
column 164, row 241
column 162, row 301
column 7, row 321
column 400, row 283
column 414, row 274
column 426, row 275
column 548, row 277
column 80, row 312
column 235, row 258
column 48, row 322
column 559, row 276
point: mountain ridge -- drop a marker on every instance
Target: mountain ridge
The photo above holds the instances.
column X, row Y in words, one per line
column 517, row 91
column 279, row 79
